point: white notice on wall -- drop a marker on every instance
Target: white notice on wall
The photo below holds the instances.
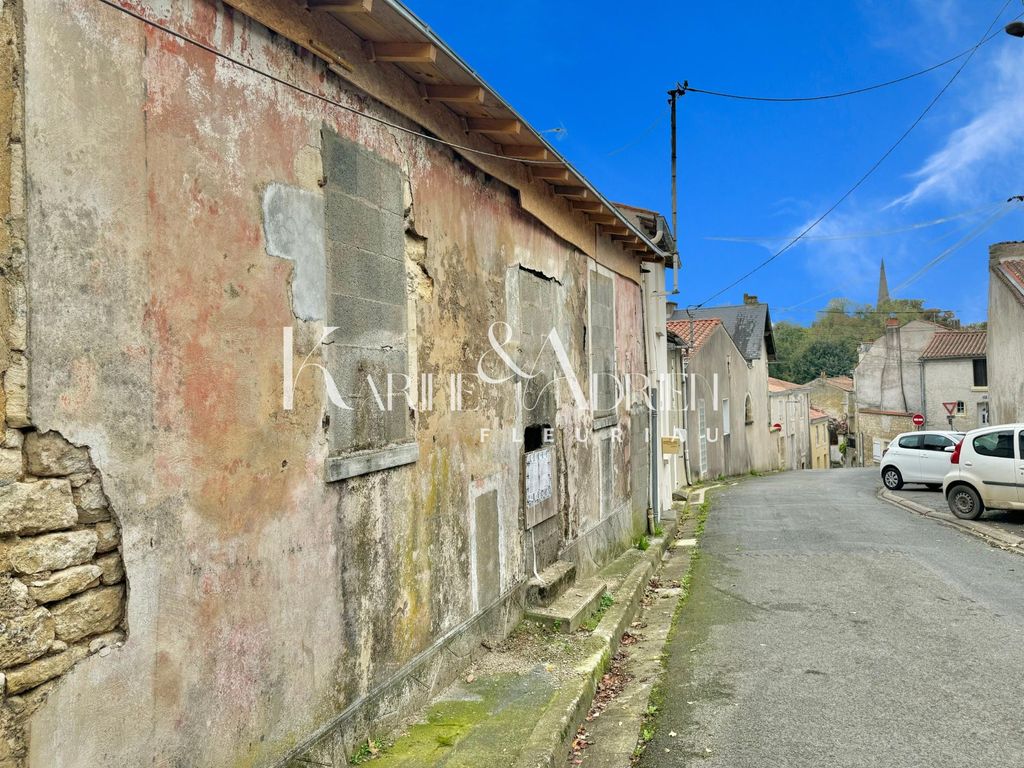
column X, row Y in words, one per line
column 538, row 476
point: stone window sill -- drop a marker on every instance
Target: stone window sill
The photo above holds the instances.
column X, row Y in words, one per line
column 605, row 420
column 355, row 464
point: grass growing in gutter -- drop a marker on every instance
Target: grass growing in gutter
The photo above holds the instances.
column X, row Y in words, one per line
column 654, row 705
column 607, row 601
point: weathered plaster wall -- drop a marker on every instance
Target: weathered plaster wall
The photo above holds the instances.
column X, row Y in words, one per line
column 1005, row 341
column 265, row 601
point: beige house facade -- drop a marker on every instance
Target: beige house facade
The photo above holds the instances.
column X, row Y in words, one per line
column 820, row 458
column 1006, row 333
column 725, row 353
column 790, row 406
column 954, row 373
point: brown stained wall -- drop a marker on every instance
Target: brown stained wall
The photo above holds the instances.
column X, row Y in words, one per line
column 264, row 600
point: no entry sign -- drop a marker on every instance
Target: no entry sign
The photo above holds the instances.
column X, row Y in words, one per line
column 918, row 420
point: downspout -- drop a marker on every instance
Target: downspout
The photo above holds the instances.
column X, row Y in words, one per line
column 652, row 470
column 654, row 518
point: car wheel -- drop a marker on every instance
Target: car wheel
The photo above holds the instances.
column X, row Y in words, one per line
column 965, row 503
column 892, row 479
column 933, row 486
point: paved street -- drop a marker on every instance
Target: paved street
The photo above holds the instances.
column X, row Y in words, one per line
column 1007, row 521
column 829, row 628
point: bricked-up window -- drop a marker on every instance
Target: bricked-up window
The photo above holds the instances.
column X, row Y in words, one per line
column 602, row 348
column 366, row 301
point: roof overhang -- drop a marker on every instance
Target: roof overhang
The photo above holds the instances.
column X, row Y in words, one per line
column 391, row 35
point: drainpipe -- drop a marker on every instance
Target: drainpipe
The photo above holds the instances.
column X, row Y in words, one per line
column 654, row 517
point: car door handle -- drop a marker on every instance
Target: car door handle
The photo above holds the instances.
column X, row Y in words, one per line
column 968, row 463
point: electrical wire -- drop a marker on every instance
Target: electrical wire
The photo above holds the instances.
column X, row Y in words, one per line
column 312, row 94
column 977, row 230
column 863, row 235
column 870, row 170
column 843, row 94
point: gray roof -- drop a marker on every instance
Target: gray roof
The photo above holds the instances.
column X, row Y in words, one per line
column 748, row 324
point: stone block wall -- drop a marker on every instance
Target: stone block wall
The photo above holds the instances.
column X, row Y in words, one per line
column 62, row 579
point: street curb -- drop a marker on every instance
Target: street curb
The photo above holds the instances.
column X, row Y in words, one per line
column 552, row 737
column 995, row 538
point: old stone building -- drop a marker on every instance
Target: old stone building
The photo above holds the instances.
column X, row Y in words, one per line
column 888, row 385
column 834, row 395
column 310, row 356
column 1006, row 333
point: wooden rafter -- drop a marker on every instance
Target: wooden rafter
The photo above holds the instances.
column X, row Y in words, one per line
column 507, row 126
column 550, row 172
column 462, row 94
column 340, row 6
column 572, row 192
column 525, row 151
column 614, row 229
column 587, row 206
column 602, row 218
column 408, row 53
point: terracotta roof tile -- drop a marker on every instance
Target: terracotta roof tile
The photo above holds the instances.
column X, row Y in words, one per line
column 843, row 382
column 1012, row 273
column 702, row 330
column 778, row 385
column 947, row 345
column 816, row 414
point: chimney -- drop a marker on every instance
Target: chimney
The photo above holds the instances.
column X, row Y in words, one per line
column 892, row 322
column 1000, row 252
column 748, row 299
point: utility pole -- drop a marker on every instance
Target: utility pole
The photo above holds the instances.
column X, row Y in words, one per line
column 673, row 95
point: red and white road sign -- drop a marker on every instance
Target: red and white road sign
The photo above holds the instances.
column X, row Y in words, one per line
column 918, row 420
column 950, row 407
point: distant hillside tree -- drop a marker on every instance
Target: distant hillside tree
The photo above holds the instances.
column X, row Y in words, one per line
column 833, row 358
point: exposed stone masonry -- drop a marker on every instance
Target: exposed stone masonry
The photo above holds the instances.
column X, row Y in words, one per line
column 62, row 580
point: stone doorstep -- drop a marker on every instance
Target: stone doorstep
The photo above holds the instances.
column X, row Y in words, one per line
column 571, row 608
column 550, row 741
column 544, row 588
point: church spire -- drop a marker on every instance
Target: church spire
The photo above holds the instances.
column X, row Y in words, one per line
column 883, row 286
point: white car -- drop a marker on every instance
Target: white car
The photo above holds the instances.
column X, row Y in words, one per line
column 918, row 457
column 987, row 471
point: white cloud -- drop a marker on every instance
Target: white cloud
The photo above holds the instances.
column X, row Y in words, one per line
column 978, row 159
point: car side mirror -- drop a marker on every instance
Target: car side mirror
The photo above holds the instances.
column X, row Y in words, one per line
column 949, row 448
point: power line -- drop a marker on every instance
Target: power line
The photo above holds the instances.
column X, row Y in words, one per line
column 862, row 235
column 842, row 94
column 990, row 221
column 312, row 94
column 870, row 171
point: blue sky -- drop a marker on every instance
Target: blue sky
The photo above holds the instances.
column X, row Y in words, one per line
column 759, row 171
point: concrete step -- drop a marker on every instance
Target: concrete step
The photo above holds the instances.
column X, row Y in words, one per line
column 571, row 608
column 544, row 588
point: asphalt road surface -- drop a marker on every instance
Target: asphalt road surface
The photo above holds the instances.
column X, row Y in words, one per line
column 828, row 628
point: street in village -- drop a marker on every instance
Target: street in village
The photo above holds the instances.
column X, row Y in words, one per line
column 827, row 627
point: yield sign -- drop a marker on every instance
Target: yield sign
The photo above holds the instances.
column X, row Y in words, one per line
column 950, row 408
